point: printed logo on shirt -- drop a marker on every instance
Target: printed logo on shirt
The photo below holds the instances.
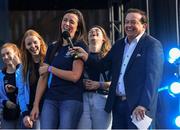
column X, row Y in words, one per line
column 68, row 55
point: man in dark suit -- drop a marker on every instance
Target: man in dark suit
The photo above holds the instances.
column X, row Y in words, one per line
column 136, row 63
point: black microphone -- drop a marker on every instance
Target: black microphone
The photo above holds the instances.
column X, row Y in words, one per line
column 67, row 37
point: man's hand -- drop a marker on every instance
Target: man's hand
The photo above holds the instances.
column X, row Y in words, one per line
column 80, row 52
column 139, row 112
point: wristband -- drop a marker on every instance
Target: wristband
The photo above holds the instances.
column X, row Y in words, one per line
column 50, row 69
column 101, row 85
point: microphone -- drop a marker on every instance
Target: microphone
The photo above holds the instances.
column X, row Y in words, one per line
column 67, row 37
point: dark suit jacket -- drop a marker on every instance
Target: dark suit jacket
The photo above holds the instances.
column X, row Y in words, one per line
column 142, row 76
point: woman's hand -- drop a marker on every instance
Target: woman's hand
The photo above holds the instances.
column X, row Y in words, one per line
column 91, row 85
column 10, row 104
column 16, row 60
column 43, row 69
column 34, row 113
column 28, row 123
column 10, row 88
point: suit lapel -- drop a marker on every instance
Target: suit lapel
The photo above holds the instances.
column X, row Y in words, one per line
column 136, row 52
column 118, row 57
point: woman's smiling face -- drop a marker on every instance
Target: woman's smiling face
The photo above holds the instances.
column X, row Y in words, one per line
column 70, row 23
column 32, row 44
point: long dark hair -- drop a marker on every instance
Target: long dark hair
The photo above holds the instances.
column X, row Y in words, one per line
column 81, row 33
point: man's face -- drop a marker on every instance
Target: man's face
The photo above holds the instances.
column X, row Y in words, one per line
column 133, row 25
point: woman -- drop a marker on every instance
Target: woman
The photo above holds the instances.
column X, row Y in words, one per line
column 33, row 53
column 96, row 84
column 10, row 81
column 63, row 106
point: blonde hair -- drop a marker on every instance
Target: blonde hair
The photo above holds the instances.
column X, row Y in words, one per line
column 27, row 57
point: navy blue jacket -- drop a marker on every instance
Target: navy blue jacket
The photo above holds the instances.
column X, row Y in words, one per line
column 142, row 76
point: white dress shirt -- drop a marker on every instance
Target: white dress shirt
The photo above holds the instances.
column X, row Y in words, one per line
column 128, row 51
